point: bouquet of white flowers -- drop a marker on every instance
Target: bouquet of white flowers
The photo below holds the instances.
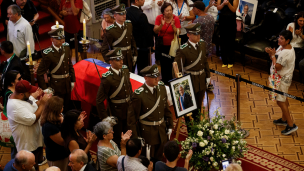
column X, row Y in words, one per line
column 213, row 141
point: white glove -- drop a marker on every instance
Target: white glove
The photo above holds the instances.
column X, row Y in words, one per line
column 134, row 60
column 169, row 133
column 48, row 91
column 72, row 85
column 207, row 81
column 148, row 148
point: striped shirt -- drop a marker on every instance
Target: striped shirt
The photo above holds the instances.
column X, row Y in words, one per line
column 104, row 153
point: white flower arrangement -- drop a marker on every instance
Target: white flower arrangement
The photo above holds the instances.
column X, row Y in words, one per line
column 213, row 141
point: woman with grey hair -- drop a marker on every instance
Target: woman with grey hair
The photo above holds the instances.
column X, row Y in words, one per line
column 108, row 19
column 107, row 150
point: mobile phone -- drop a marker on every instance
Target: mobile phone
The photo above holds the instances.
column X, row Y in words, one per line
column 225, row 164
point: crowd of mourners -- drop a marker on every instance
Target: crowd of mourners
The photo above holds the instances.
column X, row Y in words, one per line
column 43, row 116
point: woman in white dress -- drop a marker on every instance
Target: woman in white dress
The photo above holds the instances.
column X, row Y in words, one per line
column 284, row 65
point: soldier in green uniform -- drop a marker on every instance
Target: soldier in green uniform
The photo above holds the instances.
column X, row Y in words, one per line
column 58, row 63
column 191, row 59
column 116, row 88
column 149, row 116
column 119, row 35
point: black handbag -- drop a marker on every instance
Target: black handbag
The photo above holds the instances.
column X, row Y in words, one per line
column 159, row 42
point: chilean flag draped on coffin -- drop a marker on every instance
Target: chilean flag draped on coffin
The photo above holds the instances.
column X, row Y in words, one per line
column 88, row 81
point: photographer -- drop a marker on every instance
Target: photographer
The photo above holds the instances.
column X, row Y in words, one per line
column 23, row 112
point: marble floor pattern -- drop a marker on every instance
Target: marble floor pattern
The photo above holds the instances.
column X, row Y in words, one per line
column 257, row 111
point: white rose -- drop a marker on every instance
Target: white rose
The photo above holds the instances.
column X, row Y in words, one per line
column 227, row 131
column 200, row 133
column 201, row 144
column 206, row 142
column 211, row 132
column 208, row 152
column 208, row 162
column 211, row 158
column 212, row 153
column 214, row 164
column 233, row 148
column 220, row 121
column 215, row 126
column 224, row 155
column 214, row 145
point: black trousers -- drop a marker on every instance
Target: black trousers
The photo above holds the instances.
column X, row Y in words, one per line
column 165, row 62
column 199, row 97
column 120, row 127
column 38, row 153
column 67, row 103
column 143, row 59
column 227, row 26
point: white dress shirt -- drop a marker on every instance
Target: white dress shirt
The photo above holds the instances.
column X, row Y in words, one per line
column 19, row 33
column 119, row 25
column 83, row 167
column 150, row 88
column 152, row 10
column 135, row 6
column 116, row 71
column 193, row 44
column 56, row 47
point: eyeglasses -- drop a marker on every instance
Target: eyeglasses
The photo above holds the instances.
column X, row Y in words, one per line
column 111, row 131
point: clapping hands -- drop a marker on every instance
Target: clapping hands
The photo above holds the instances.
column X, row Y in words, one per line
column 37, row 93
column 270, row 51
column 298, row 32
column 125, row 137
column 226, row 2
column 91, row 137
column 83, row 115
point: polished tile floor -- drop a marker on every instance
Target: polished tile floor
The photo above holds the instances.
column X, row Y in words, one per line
column 257, row 111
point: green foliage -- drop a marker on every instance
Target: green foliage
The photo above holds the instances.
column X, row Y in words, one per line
column 213, row 141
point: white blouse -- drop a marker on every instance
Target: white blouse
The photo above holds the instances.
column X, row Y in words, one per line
column 297, row 41
column 185, row 11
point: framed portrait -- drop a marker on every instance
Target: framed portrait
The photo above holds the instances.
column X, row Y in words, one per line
column 247, row 9
column 183, row 97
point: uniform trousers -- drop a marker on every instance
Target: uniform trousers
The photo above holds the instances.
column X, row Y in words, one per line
column 66, row 101
column 143, row 59
column 156, row 151
column 199, row 97
column 227, row 27
column 166, row 63
column 120, row 127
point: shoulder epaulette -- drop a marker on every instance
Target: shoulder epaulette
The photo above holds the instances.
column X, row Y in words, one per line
column 128, row 21
column 183, row 45
column 139, row 90
column 124, row 66
column 107, row 74
column 65, row 44
column 111, row 26
column 46, row 51
column 161, row 83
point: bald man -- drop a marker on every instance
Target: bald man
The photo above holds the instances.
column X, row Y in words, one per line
column 53, row 168
column 24, row 161
column 79, row 161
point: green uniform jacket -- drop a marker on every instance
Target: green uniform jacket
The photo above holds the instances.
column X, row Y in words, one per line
column 142, row 101
column 114, row 32
column 109, row 84
column 49, row 62
column 187, row 55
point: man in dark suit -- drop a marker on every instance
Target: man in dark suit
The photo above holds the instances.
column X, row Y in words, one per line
column 142, row 33
column 12, row 62
column 79, row 161
column 246, row 18
column 184, row 99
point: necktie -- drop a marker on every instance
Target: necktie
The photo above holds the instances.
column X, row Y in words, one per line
column 122, row 27
column 154, row 92
column 196, row 46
